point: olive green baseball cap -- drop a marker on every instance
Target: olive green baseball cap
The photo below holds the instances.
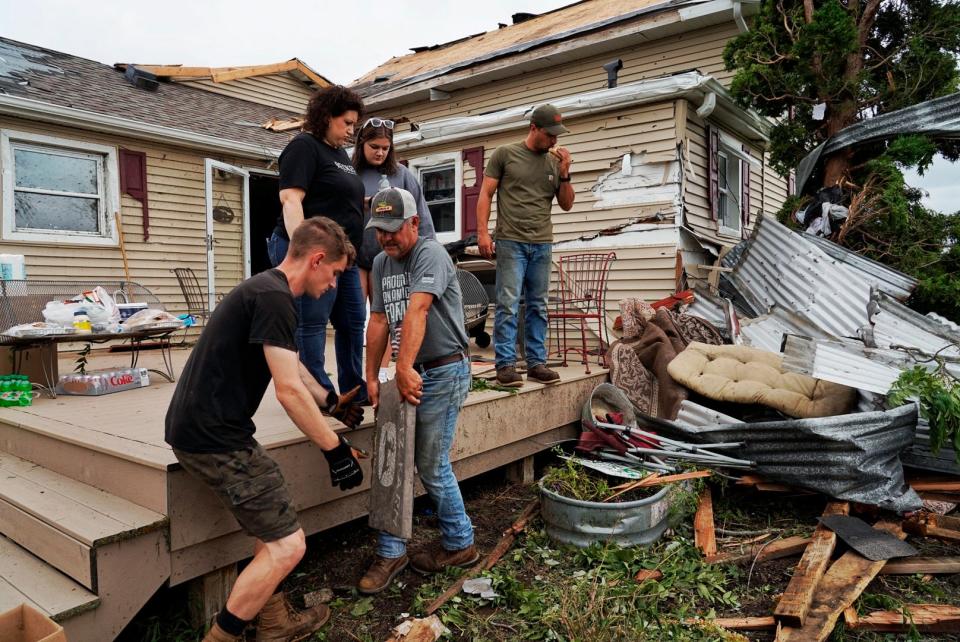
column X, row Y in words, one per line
column 548, row 117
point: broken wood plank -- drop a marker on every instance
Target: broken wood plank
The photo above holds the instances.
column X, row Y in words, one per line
column 793, row 605
column 762, row 552
column 933, row 525
column 936, row 485
column 656, row 480
column 492, row 558
column 843, row 583
column 925, row 565
column 953, row 498
column 925, row 618
column 761, row 623
column 648, row 574
column 704, row 535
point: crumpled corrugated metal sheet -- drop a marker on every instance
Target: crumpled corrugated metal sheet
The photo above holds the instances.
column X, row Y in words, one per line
column 707, row 306
column 782, row 267
column 939, row 117
column 893, row 282
column 921, row 456
column 847, row 363
column 767, row 331
column 848, row 457
column 892, row 324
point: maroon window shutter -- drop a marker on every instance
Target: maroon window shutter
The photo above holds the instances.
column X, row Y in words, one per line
column 471, row 193
column 745, row 194
column 133, row 182
column 713, row 148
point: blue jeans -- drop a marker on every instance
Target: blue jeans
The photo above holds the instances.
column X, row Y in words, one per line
column 343, row 306
column 521, row 268
column 444, row 390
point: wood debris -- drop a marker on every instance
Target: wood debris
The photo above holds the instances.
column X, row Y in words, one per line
column 761, row 552
column 925, row 565
column 933, row 525
column 704, row 535
column 793, row 605
column 648, row 574
column 925, row 618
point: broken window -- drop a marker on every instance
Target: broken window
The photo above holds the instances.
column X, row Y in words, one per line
column 56, row 189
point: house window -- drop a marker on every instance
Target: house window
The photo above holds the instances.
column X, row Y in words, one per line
column 58, row 190
column 441, row 178
column 730, row 189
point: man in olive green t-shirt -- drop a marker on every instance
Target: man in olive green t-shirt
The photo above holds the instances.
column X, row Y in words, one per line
column 525, row 176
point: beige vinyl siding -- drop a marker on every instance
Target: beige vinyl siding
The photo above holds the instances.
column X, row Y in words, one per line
column 597, row 144
column 700, row 50
column 175, row 184
column 774, row 189
column 277, row 90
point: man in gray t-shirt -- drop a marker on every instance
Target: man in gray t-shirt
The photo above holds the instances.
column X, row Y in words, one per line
column 414, row 291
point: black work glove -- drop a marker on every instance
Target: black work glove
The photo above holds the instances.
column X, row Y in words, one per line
column 344, row 409
column 345, row 471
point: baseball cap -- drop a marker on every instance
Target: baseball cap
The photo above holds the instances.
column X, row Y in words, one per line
column 390, row 207
column 548, row 117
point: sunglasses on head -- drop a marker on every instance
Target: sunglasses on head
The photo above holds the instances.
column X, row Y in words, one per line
column 378, row 122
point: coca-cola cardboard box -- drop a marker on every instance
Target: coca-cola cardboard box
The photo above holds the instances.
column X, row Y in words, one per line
column 102, row 382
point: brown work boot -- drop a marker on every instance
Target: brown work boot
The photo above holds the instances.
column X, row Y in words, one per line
column 381, row 573
column 279, row 622
column 507, row 376
column 216, row 634
column 436, row 559
column 543, row 374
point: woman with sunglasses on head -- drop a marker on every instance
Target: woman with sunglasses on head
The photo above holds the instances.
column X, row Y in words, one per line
column 318, row 179
column 377, row 166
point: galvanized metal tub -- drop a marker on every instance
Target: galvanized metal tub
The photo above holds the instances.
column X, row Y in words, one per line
column 580, row 523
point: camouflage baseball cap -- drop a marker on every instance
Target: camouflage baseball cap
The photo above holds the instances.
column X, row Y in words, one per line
column 548, row 117
column 390, row 207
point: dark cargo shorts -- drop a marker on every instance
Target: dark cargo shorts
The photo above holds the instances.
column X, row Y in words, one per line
column 251, row 486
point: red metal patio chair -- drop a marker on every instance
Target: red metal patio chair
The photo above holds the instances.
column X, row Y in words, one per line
column 580, row 300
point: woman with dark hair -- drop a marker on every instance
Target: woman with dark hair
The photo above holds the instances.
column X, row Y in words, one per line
column 318, row 179
column 376, row 163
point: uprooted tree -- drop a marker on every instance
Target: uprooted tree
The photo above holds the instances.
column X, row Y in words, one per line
column 818, row 66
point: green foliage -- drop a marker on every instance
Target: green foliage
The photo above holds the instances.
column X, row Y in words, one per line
column 939, row 396
column 854, row 61
column 576, row 482
column 483, row 385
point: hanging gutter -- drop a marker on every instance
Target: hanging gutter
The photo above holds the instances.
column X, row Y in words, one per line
column 892, row 324
column 781, row 267
column 691, row 85
column 92, row 121
column 938, row 118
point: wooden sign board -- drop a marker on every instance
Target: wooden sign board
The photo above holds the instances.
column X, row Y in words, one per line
column 391, row 489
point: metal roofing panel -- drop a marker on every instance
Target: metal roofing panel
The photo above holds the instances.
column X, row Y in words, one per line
column 893, row 324
column 893, row 282
column 782, row 267
column 767, row 331
column 847, row 363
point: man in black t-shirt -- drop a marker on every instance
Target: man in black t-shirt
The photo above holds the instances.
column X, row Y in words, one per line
column 249, row 340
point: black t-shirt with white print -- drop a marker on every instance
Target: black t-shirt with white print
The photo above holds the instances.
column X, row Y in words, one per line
column 332, row 186
column 226, row 375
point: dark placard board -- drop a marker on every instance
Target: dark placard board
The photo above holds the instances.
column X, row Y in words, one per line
column 391, row 490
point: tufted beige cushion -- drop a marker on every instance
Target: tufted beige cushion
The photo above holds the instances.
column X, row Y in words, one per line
column 748, row 375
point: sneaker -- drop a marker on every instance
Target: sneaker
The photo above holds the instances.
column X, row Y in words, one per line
column 436, row 559
column 543, row 374
column 381, row 573
column 280, row 622
column 507, row 376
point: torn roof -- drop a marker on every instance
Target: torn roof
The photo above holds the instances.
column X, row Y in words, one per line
column 556, row 26
column 56, row 78
column 295, row 67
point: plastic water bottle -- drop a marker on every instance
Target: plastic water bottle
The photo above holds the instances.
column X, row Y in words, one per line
column 384, row 182
column 26, row 390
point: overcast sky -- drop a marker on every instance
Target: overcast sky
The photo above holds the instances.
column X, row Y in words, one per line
column 341, row 40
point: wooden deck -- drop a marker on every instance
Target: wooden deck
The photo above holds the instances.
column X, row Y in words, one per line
column 91, row 490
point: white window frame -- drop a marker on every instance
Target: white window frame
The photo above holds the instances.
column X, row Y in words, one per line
column 732, row 149
column 434, row 161
column 733, row 193
column 108, row 188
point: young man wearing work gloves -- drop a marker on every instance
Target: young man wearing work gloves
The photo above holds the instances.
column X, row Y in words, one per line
column 249, row 340
column 414, row 287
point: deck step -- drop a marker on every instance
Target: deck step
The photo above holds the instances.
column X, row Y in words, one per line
column 26, row 579
column 63, row 521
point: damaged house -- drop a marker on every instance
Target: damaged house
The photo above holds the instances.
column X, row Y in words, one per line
column 664, row 162
column 130, row 171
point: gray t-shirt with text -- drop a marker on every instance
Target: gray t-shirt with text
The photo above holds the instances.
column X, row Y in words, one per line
column 427, row 268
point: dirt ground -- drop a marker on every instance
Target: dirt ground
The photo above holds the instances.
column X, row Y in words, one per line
column 545, row 587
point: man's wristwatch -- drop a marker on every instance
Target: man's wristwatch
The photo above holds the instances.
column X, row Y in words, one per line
column 565, row 179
